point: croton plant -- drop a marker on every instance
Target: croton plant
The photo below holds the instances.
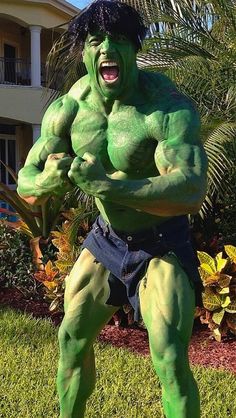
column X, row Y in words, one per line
column 219, row 297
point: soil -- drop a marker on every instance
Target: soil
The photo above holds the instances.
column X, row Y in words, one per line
column 203, row 350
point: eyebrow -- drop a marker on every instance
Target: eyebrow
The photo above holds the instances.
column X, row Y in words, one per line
column 96, row 35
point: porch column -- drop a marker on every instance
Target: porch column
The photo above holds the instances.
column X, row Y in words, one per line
column 36, row 132
column 35, row 56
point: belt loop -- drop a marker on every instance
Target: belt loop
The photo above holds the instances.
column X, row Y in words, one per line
column 105, row 230
column 103, row 225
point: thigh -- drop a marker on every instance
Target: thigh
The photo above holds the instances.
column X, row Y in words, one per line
column 87, row 291
column 167, row 301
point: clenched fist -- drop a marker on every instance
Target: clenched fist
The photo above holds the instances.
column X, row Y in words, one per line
column 54, row 178
column 88, row 173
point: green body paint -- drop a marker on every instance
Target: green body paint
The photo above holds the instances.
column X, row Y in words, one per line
column 136, row 144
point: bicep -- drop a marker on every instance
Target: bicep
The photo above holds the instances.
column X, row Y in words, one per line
column 181, row 148
column 55, row 132
column 44, row 147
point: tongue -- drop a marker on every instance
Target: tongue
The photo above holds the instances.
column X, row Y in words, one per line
column 110, row 73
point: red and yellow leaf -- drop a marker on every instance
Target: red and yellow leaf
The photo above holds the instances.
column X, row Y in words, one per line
column 224, row 280
column 225, row 301
column 211, row 301
column 51, row 285
column 218, row 317
column 231, row 252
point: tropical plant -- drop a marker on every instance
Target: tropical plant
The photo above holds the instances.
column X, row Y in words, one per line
column 23, row 209
column 35, row 221
column 53, row 285
column 219, row 297
column 67, row 239
column 40, row 220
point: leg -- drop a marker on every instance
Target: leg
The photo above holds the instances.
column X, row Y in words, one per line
column 167, row 306
column 86, row 313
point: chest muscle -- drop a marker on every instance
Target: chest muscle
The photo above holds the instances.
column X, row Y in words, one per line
column 125, row 141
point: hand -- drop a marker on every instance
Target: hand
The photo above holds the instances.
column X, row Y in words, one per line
column 54, row 178
column 88, row 173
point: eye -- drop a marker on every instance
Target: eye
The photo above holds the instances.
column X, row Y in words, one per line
column 95, row 41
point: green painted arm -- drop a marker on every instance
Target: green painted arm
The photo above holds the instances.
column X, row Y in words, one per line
column 48, row 162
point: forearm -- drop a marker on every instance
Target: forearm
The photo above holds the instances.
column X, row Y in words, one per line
column 27, row 179
column 36, row 186
column 172, row 194
column 28, row 189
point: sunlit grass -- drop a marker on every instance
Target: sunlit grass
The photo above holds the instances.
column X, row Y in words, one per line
column 126, row 385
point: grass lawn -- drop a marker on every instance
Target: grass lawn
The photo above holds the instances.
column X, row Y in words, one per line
column 126, row 383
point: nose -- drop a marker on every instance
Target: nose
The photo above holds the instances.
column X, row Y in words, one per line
column 107, row 46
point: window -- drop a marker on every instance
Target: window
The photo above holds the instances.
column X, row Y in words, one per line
column 8, row 157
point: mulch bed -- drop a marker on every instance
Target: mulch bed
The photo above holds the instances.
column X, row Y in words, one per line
column 203, row 349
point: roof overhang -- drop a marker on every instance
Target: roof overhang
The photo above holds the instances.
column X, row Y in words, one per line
column 45, row 13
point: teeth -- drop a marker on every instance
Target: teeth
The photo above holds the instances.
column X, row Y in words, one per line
column 109, row 64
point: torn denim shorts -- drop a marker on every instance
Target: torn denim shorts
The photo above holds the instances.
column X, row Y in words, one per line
column 127, row 255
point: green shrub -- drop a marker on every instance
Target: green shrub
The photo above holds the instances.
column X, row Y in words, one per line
column 16, row 269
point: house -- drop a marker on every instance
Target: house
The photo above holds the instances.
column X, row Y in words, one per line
column 27, row 31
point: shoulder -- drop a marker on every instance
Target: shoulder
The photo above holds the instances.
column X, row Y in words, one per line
column 181, row 117
column 59, row 116
column 60, row 112
column 164, row 90
column 70, row 101
column 63, row 103
column 157, row 79
column 155, row 83
column 80, row 89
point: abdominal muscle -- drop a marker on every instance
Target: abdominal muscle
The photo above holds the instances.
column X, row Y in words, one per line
column 123, row 218
column 126, row 219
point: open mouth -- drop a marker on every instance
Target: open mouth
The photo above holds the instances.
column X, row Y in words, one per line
column 109, row 71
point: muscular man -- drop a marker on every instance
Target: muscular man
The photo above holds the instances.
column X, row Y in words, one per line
column 130, row 139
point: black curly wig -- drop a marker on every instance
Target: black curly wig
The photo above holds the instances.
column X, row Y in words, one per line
column 111, row 17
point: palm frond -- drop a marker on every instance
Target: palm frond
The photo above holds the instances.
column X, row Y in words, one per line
column 221, row 150
column 230, row 99
column 11, row 197
column 10, row 171
column 225, row 9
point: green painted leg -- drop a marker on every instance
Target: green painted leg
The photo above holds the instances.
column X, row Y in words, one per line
column 167, row 307
column 86, row 313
